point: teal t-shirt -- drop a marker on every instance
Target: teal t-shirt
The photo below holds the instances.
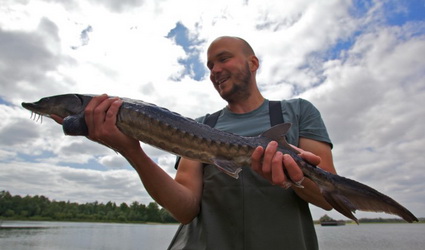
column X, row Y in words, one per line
column 305, row 118
column 249, row 212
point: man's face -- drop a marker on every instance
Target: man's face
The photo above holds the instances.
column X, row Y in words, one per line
column 229, row 68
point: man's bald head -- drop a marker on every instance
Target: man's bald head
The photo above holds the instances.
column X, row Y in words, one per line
column 245, row 46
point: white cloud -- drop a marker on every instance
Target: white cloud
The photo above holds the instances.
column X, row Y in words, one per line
column 113, row 161
column 77, row 185
column 370, row 101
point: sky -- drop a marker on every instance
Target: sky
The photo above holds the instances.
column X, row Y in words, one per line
column 359, row 62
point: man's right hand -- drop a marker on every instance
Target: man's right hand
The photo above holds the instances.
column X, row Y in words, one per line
column 101, row 116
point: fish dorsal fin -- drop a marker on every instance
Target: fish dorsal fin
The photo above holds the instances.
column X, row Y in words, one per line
column 277, row 133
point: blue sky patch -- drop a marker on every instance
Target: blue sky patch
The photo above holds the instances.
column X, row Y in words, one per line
column 341, row 46
column 92, row 164
column 4, row 102
column 36, row 158
column 360, row 8
column 192, row 63
column 400, row 12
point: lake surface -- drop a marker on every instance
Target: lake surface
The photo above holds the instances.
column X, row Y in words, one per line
column 95, row 236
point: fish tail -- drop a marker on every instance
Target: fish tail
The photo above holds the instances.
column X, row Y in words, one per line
column 346, row 196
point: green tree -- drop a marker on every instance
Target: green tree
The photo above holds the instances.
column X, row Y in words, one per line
column 153, row 212
column 326, row 218
column 40, row 207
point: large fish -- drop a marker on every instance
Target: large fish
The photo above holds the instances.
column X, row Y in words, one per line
column 182, row 136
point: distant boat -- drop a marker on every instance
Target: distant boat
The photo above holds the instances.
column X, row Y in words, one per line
column 333, row 223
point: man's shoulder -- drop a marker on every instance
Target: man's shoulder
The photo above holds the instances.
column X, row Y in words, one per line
column 296, row 101
column 297, row 104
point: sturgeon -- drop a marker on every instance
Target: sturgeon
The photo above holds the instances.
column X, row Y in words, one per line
column 229, row 152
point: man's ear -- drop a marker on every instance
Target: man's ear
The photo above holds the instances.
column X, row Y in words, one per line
column 254, row 63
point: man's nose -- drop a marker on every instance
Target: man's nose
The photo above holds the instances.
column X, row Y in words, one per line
column 215, row 73
column 216, row 68
column 213, row 77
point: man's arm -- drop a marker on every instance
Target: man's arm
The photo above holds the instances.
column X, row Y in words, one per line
column 270, row 164
column 181, row 197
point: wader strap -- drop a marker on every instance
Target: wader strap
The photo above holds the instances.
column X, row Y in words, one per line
column 275, row 112
column 212, row 119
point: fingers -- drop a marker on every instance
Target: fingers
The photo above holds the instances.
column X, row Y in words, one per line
column 278, row 176
column 269, row 159
column 256, row 159
column 269, row 163
column 278, row 168
column 113, row 110
column 261, row 159
column 101, row 118
column 308, row 156
column 89, row 112
column 295, row 174
column 99, row 114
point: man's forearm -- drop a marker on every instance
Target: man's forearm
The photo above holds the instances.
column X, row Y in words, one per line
column 168, row 193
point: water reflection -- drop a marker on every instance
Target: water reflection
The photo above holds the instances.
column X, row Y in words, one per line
column 72, row 236
column 68, row 235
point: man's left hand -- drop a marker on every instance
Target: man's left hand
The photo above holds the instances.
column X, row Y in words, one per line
column 271, row 164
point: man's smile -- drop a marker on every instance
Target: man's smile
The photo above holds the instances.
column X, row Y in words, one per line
column 221, row 80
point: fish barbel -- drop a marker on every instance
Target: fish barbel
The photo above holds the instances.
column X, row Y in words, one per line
column 185, row 137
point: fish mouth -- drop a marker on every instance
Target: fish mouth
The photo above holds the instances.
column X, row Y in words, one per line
column 33, row 107
column 35, row 114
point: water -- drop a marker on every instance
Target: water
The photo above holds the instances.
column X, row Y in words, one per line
column 96, row 236
column 372, row 236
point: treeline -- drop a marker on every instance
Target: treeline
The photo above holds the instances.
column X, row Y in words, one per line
column 40, row 207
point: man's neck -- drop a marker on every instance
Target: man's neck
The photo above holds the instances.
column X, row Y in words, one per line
column 247, row 105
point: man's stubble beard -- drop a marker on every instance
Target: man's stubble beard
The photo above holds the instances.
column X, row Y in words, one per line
column 241, row 88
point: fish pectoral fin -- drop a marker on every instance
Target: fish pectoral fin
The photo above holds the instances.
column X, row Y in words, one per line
column 341, row 204
column 277, row 133
column 228, row 167
column 75, row 125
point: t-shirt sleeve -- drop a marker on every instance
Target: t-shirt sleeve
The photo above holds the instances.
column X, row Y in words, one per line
column 306, row 121
column 311, row 124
